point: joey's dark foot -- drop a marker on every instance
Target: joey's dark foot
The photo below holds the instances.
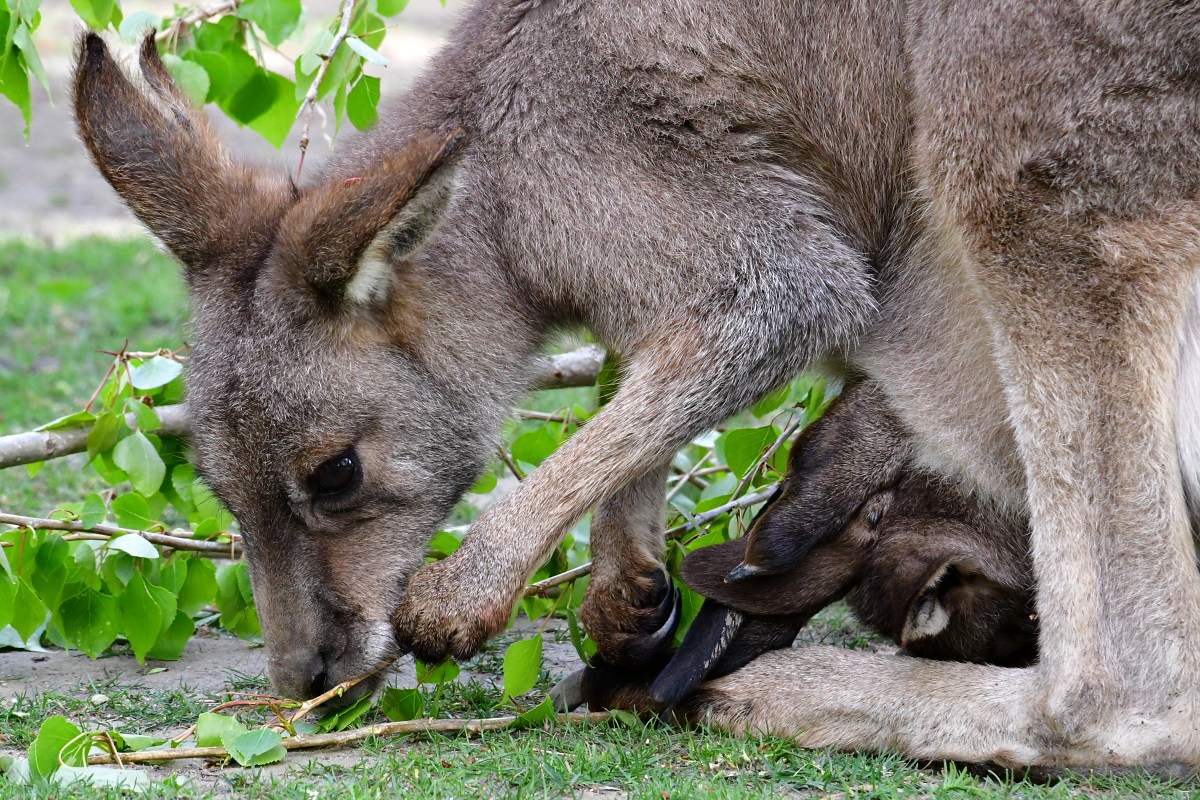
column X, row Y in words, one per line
column 632, row 621
column 603, row 686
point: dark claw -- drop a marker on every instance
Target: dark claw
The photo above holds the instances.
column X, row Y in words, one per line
column 741, row 572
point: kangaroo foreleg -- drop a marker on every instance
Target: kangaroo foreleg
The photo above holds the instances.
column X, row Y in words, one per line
column 630, row 607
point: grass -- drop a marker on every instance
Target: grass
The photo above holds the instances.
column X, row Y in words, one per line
column 58, row 306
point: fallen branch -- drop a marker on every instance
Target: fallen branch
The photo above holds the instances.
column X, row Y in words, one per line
column 576, row 368
column 175, row 540
column 305, row 741
column 34, row 446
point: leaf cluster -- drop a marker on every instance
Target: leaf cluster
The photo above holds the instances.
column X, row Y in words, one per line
column 220, row 58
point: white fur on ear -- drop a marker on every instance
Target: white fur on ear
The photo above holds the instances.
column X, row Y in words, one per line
column 407, row 232
column 927, row 617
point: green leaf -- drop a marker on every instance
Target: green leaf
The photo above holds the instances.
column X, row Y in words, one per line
column 536, row 716
column 310, row 59
column 135, row 545
column 159, row 370
column 256, row 748
column 138, row 457
column 133, row 742
column 277, row 18
column 88, row 620
column 211, row 727
column 199, row 587
column 29, row 612
column 744, row 446
column 103, row 435
column 51, row 744
column 444, row 543
column 96, row 13
column 267, row 104
column 402, row 704
column 93, row 512
column 772, row 401
column 389, row 8
column 487, row 481
column 535, row 446
column 134, row 27
column 439, row 673
column 8, row 599
column 366, row 51
column 69, row 421
column 174, row 639
column 584, row 646
column 146, row 417
column 340, row 720
column 361, row 110
column 522, row 663
column 193, row 81
column 141, row 617
column 24, row 41
column 14, row 84
column 216, row 67
column 132, row 511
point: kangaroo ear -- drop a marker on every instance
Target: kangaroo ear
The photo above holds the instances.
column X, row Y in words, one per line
column 344, row 239
column 162, row 158
column 949, row 588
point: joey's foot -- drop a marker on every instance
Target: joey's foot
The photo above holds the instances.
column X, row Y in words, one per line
column 444, row 615
column 632, row 621
column 603, row 686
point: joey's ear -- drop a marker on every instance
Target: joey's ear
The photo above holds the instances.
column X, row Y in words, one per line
column 945, row 588
column 344, row 238
column 162, row 158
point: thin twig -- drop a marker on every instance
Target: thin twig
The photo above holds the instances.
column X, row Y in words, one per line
column 708, row 516
column 304, row 741
column 687, row 476
column 510, row 463
column 766, row 457
column 197, row 15
column 337, row 691
column 176, row 540
column 310, row 97
column 539, row 589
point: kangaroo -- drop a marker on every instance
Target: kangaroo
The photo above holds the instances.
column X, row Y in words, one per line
column 937, row 572
column 989, row 208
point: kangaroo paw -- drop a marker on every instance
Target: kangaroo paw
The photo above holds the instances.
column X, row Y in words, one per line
column 632, row 632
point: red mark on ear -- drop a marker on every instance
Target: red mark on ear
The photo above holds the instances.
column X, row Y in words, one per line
column 350, row 181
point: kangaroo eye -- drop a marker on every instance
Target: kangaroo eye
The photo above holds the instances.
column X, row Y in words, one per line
column 336, row 475
column 873, row 519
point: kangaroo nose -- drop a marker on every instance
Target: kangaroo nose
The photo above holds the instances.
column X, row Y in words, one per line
column 320, row 681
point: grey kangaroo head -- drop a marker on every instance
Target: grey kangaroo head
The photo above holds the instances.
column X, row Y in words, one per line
column 336, row 447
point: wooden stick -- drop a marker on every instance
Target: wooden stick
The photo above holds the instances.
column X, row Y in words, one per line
column 566, row 370
column 304, row 741
column 177, row 541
